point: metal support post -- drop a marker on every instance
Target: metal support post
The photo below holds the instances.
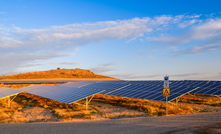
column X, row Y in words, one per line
column 90, row 99
column 87, row 103
column 177, row 100
column 166, row 105
column 8, row 101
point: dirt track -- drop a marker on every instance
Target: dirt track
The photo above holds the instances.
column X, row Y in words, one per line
column 139, row 125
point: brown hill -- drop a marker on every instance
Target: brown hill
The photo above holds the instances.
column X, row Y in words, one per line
column 58, row 74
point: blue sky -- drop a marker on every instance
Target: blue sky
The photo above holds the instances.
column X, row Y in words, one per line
column 131, row 40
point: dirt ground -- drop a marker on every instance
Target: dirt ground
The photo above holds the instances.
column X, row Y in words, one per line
column 200, row 123
column 110, row 111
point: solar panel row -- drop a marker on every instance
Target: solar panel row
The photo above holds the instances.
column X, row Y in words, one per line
column 205, row 87
column 61, row 93
column 149, row 90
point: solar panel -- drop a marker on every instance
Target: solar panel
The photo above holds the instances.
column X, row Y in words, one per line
column 5, row 92
column 150, row 92
column 61, row 93
column 209, row 88
column 76, row 84
column 108, row 87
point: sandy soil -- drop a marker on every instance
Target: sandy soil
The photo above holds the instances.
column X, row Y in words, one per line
column 35, row 114
column 203, row 108
column 109, row 111
column 30, row 114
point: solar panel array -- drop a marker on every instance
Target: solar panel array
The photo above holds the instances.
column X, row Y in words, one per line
column 149, row 90
column 205, row 87
column 61, row 93
column 153, row 90
column 5, row 92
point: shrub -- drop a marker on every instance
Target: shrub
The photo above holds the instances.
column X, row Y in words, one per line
column 62, row 72
column 76, row 75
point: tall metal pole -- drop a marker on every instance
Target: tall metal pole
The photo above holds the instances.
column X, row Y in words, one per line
column 166, row 105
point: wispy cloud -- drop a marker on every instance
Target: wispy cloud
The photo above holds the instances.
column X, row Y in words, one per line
column 69, row 62
column 132, row 76
column 187, row 23
column 51, row 63
column 206, row 30
column 101, row 70
column 187, row 75
column 198, row 49
column 14, row 61
column 26, row 45
column 109, row 64
column 2, row 12
column 75, row 35
column 150, row 57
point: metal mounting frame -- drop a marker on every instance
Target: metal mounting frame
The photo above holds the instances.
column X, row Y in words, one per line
column 87, row 102
column 9, row 99
column 178, row 98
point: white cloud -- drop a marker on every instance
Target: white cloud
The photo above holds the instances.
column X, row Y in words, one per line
column 198, row 49
column 27, row 45
column 2, row 12
column 187, row 23
column 109, row 64
column 207, row 30
column 50, row 63
column 14, row 61
column 75, row 35
column 132, row 76
column 69, row 62
column 150, row 57
column 187, row 75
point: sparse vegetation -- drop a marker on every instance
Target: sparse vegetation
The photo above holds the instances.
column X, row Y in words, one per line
column 150, row 108
column 24, row 100
column 202, row 100
column 58, row 73
column 15, row 86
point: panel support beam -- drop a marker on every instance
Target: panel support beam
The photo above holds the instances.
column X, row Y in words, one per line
column 218, row 96
column 87, row 103
column 171, row 103
column 177, row 100
column 7, row 100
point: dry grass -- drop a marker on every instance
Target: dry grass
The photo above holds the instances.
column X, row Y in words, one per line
column 59, row 73
column 23, row 101
column 17, row 86
column 149, row 107
column 205, row 100
column 14, row 86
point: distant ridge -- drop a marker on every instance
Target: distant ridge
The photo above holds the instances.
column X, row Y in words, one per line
column 59, row 74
